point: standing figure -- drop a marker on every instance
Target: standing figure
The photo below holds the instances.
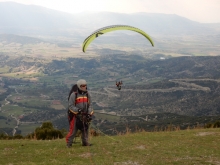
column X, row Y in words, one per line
column 79, row 112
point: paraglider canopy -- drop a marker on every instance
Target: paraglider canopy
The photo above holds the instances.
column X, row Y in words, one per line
column 107, row 29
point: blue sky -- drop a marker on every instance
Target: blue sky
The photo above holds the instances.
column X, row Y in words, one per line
column 204, row 11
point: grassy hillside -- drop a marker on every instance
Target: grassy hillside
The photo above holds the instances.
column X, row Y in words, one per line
column 197, row 146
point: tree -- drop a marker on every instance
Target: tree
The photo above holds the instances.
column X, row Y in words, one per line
column 46, row 132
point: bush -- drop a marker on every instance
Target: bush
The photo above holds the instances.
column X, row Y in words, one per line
column 213, row 125
column 217, row 124
column 17, row 136
column 46, row 132
column 6, row 137
column 3, row 136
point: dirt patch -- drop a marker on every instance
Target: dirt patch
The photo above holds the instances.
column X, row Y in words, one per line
column 35, row 79
column 141, row 147
column 127, row 163
column 214, row 162
column 205, row 133
column 58, row 107
column 86, row 155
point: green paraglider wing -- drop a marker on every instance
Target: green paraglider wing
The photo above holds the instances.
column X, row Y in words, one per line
column 107, row 29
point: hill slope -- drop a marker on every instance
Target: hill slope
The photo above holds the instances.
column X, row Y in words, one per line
column 30, row 19
column 198, row 146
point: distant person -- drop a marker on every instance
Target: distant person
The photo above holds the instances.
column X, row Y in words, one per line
column 79, row 112
column 118, row 84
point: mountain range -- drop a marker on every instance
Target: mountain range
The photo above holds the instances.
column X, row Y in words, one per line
column 22, row 19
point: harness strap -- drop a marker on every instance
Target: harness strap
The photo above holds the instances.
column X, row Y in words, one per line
column 87, row 95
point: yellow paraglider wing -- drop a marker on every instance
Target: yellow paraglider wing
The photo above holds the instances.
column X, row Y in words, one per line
column 107, row 29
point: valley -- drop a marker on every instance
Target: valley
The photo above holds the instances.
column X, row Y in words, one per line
column 35, row 90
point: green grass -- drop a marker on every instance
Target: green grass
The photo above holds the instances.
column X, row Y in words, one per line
column 8, row 124
column 36, row 102
column 54, row 79
column 4, row 69
column 198, row 146
column 29, row 101
column 108, row 117
column 14, row 110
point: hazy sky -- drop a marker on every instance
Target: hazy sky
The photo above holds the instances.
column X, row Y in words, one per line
column 206, row 11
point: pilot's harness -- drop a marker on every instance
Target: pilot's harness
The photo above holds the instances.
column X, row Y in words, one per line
column 82, row 118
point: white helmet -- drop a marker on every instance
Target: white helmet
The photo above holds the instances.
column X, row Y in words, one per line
column 81, row 82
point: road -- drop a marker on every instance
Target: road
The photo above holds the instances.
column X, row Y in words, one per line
column 16, row 119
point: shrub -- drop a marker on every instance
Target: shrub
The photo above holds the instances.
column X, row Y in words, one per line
column 217, row 124
column 17, row 136
column 94, row 132
column 46, row 132
column 3, row 136
column 213, row 125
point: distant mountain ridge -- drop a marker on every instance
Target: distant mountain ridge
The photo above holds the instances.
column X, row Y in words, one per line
column 19, row 39
column 31, row 19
